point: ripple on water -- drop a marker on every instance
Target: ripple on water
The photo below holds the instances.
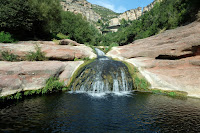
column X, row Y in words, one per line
column 80, row 112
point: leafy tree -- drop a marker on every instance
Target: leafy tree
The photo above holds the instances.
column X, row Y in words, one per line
column 29, row 18
column 77, row 28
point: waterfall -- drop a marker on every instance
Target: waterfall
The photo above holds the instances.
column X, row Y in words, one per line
column 103, row 76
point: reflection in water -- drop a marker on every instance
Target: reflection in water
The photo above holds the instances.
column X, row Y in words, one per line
column 138, row 112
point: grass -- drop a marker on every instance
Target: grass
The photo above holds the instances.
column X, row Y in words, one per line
column 82, row 59
column 9, row 56
column 170, row 93
column 38, row 55
column 57, row 42
column 52, row 85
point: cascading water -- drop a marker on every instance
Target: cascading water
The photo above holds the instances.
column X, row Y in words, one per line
column 103, row 76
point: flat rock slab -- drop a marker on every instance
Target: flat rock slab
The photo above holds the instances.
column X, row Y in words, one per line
column 21, row 76
column 177, row 43
column 52, row 51
column 180, row 75
column 169, row 61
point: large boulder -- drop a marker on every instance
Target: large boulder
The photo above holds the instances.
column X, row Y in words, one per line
column 52, row 51
column 70, row 68
column 22, row 76
column 169, row 61
column 69, row 42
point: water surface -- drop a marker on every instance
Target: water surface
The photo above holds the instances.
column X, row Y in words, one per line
column 137, row 112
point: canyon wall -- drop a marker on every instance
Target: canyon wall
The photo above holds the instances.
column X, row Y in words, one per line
column 81, row 6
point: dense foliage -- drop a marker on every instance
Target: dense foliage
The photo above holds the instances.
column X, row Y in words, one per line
column 105, row 13
column 43, row 19
column 29, row 18
column 168, row 14
column 77, row 28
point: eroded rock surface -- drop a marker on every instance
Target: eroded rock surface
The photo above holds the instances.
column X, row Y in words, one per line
column 81, row 6
column 169, row 61
column 22, row 76
column 52, row 51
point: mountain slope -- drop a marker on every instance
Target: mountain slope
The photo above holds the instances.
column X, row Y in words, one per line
column 105, row 13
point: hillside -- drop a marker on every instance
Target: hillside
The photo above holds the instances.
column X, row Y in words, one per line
column 105, row 13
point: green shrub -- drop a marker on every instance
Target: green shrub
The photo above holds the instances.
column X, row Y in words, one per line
column 8, row 56
column 6, row 37
column 52, row 85
column 36, row 56
column 62, row 36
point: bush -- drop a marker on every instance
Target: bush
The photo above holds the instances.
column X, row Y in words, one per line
column 52, row 85
column 8, row 56
column 6, row 37
column 62, row 36
column 36, row 56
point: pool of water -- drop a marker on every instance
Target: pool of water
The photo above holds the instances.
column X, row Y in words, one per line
column 137, row 112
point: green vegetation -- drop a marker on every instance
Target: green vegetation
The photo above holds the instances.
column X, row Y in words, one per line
column 6, row 37
column 8, row 56
column 52, row 85
column 82, row 59
column 105, row 13
column 169, row 93
column 62, row 36
column 168, row 14
column 29, row 18
column 77, row 28
column 80, row 69
column 139, row 82
column 43, row 19
column 36, row 56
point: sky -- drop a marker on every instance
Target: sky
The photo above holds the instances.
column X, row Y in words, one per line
column 121, row 6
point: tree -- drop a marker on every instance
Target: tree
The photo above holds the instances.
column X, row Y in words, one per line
column 29, row 18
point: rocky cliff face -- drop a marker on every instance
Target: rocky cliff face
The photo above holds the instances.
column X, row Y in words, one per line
column 87, row 10
column 81, row 6
column 132, row 14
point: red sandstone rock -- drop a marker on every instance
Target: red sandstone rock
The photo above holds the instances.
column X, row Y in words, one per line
column 154, row 56
column 53, row 51
column 177, row 43
column 70, row 68
column 69, row 42
column 18, row 76
column 21, row 76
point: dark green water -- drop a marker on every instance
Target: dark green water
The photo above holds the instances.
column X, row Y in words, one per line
column 138, row 112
